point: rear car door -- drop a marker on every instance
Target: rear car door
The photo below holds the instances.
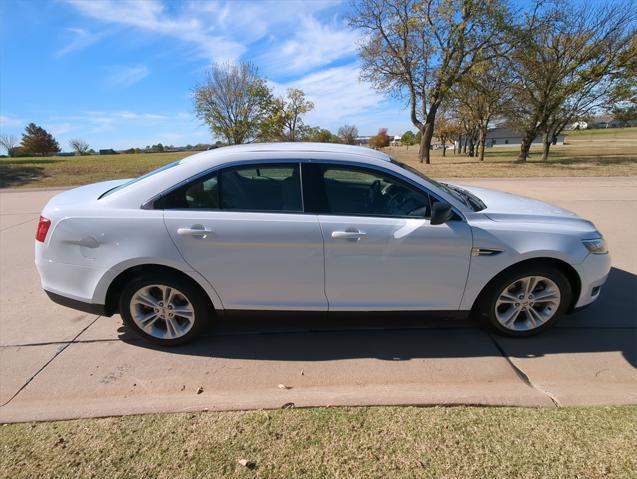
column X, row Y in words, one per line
column 381, row 251
column 244, row 229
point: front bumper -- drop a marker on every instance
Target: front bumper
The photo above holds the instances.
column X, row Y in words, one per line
column 593, row 273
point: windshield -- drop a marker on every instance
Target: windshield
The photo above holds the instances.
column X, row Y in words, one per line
column 466, row 198
column 135, row 180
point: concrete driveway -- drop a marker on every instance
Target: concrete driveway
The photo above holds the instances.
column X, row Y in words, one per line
column 56, row 363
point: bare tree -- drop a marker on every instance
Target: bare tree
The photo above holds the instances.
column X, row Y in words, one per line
column 348, row 134
column 233, row 100
column 8, row 142
column 421, row 49
column 482, row 94
column 565, row 58
column 79, row 146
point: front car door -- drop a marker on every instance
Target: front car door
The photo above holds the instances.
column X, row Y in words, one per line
column 381, row 252
column 243, row 228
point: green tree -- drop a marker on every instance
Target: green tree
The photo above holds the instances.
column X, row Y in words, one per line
column 319, row 135
column 408, row 138
column 37, row 141
column 284, row 121
column 565, row 59
column 422, row 48
column 482, row 94
column 233, row 100
column 446, row 130
column 348, row 134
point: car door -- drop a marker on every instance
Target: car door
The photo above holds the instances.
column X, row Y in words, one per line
column 381, row 251
column 243, row 228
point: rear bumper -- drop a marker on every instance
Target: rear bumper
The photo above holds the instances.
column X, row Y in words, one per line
column 98, row 309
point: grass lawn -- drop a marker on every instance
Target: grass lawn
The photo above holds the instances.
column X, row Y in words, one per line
column 611, row 152
column 379, row 442
column 608, row 152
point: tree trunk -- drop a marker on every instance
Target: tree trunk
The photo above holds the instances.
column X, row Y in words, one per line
column 427, row 135
column 444, row 149
column 546, row 146
column 472, row 148
column 464, row 146
column 483, row 140
column 527, row 139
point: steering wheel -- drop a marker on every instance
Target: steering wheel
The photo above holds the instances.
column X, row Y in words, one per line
column 406, row 200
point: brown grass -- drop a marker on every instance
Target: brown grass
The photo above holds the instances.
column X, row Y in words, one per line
column 332, row 442
column 611, row 152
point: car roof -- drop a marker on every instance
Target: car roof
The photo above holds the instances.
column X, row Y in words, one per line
column 290, row 148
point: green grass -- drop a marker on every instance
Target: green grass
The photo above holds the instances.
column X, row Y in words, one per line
column 379, row 442
column 608, row 152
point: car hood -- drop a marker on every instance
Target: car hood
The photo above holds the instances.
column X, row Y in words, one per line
column 501, row 206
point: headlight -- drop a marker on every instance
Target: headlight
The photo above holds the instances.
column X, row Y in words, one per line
column 596, row 246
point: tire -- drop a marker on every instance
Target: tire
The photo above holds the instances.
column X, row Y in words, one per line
column 178, row 321
column 508, row 294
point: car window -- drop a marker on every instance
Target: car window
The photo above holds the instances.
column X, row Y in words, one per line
column 360, row 191
column 268, row 188
column 200, row 194
column 275, row 188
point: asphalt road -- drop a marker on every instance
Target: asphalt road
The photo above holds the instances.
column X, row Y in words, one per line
column 56, row 363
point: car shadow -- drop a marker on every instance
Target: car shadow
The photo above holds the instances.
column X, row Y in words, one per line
column 13, row 174
column 608, row 325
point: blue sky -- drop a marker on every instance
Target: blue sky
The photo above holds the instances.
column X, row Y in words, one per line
column 118, row 73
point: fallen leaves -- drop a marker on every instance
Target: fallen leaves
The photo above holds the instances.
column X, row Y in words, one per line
column 247, row 463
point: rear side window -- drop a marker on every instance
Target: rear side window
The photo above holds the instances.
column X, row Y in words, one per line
column 261, row 188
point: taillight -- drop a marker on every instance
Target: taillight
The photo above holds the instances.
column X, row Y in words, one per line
column 43, row 229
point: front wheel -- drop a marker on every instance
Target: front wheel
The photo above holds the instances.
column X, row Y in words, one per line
column 167, row 310
column 527, row 301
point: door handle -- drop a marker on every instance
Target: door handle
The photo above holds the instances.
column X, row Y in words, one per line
column 196, row 231
column 348, row 235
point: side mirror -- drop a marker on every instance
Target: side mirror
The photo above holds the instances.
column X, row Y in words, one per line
column 441, row 212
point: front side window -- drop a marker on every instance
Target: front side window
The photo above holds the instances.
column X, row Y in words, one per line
column 260, row 188
column 364, row 192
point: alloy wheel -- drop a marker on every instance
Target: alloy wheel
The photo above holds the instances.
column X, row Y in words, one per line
column 162, row 311
column 527, row 303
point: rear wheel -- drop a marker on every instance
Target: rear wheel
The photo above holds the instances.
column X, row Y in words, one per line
column 527, row 301
column 168, row 310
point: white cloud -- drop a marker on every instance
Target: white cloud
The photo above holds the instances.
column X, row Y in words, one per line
column 314, row 44
column 60, row 128
column 81, row 39
column 10, row 121
column 150, row 16
column 125, row 76
column 340, row 97
column 337, row 93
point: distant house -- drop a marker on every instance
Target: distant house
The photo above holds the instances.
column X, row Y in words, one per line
column 578, row 125
column 501, row 136
column 394, row 140
column 108, row 151
column 607, row 121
